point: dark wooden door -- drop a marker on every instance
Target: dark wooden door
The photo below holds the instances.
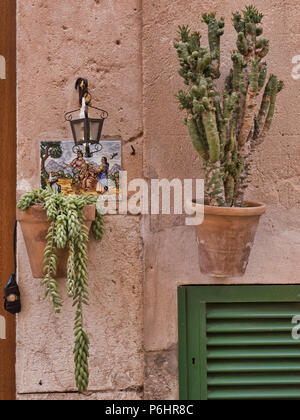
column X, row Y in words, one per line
column 7, row 188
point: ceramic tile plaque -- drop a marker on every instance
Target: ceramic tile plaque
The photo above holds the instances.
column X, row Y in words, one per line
column 71, row 172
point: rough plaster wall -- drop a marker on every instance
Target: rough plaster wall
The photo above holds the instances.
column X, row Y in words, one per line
column 59, row 41
column 171, row 249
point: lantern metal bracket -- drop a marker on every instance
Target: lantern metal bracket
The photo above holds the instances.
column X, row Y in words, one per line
column 103, row 114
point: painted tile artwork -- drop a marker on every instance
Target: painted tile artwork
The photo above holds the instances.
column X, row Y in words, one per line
column 72, row 173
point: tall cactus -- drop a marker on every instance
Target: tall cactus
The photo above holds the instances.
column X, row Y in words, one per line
column 225, row 127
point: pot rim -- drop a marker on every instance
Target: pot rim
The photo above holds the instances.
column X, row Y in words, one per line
column 88, row 211
column 254, row 208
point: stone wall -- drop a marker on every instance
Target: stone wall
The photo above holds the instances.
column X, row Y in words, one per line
column 171, row 257
column 59, row 41
column 126, row 50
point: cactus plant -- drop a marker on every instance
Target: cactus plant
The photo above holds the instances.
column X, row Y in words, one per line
column 226, row 126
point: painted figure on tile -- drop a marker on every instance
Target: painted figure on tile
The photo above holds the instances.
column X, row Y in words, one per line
column 78, row 165
column 90, row 178
column 103, row 172
column 53, row 182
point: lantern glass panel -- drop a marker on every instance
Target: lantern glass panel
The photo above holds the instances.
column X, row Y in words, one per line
column 78, row 131
column 95, row 130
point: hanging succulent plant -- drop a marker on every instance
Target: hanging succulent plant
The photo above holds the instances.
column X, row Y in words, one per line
column 68, row 230
column 225, row 127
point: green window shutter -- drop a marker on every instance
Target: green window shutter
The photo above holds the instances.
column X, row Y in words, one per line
column 235, row 342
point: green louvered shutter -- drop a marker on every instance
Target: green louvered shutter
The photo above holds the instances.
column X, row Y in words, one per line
column 235, row 342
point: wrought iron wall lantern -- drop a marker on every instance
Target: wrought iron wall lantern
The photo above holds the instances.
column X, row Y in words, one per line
column 86, row 130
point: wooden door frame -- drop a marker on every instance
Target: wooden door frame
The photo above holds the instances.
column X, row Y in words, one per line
column 7, row 188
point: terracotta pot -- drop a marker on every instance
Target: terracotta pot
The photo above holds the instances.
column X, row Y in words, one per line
column 35, row 226
column 226, row 237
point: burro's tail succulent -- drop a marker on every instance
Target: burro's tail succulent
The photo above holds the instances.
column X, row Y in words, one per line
column 226, row 126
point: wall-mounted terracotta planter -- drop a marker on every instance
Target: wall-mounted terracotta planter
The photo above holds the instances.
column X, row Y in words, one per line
column 34, row 225
column 226, row 237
